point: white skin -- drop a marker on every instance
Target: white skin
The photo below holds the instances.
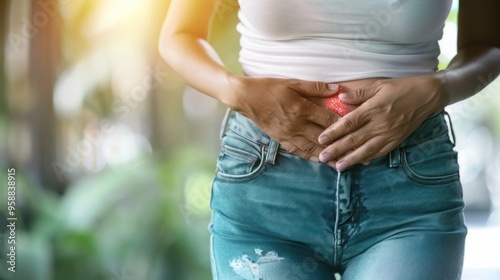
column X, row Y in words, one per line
column 384, row 111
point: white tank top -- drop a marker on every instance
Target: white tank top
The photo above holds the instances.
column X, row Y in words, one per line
column 340, row 40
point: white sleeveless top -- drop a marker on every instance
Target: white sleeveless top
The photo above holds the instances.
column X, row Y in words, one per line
column 340, row 40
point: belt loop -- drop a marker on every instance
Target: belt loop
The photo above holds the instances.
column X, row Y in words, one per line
column 225, row 123
column 272, row 151
column 394, row 158
column 454, row 141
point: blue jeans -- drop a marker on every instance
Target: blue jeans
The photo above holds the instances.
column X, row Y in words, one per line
column 278, row 216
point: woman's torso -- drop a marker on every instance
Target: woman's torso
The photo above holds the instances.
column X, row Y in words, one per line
column 340, row 40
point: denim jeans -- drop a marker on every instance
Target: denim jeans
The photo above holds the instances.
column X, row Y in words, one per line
column 278, row 216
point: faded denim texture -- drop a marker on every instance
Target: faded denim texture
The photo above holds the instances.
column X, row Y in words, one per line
column 278, row 216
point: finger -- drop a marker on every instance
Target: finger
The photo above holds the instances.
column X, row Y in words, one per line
column 374, row 148
column 343, row 126
column 303, row 148
column 308, row 149
column 322, row 117
column 333, row 163
column 335, row 105
column 302, row 128
column 313, row 89
column 311, row 132
column 358, row 96
column 345, row 145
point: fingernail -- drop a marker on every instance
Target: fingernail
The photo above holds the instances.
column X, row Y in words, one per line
column 333, row 87
column 341, row 165
column 323, row 139
column 314, row 159
column 325, row 157
column 343, row 96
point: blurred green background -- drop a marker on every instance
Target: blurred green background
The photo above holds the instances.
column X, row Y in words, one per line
column 114, row 155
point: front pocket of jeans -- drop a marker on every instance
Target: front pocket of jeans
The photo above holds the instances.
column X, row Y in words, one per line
column 237, row 165
column 433, row 162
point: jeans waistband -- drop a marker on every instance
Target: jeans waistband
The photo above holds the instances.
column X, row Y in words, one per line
column 432, row 127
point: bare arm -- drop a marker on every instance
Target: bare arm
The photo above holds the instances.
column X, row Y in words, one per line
column 277, row 106
column 183, row 45
column 478, row 60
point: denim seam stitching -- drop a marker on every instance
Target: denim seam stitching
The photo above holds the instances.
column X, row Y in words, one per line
column 425, row 180
column 427, row 139
column 337, row 233
column 356, row 204
column 223, row 177
column 238, row 153
column 280, row 149
column 214, row 264
column 246, row 136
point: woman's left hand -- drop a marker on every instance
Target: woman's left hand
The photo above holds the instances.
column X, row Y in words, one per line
column 389, row 111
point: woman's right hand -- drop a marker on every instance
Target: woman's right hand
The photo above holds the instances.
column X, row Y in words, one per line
column 280, row 107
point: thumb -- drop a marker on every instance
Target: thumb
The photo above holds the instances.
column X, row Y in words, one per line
column 316, row 89
column 358, row 96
